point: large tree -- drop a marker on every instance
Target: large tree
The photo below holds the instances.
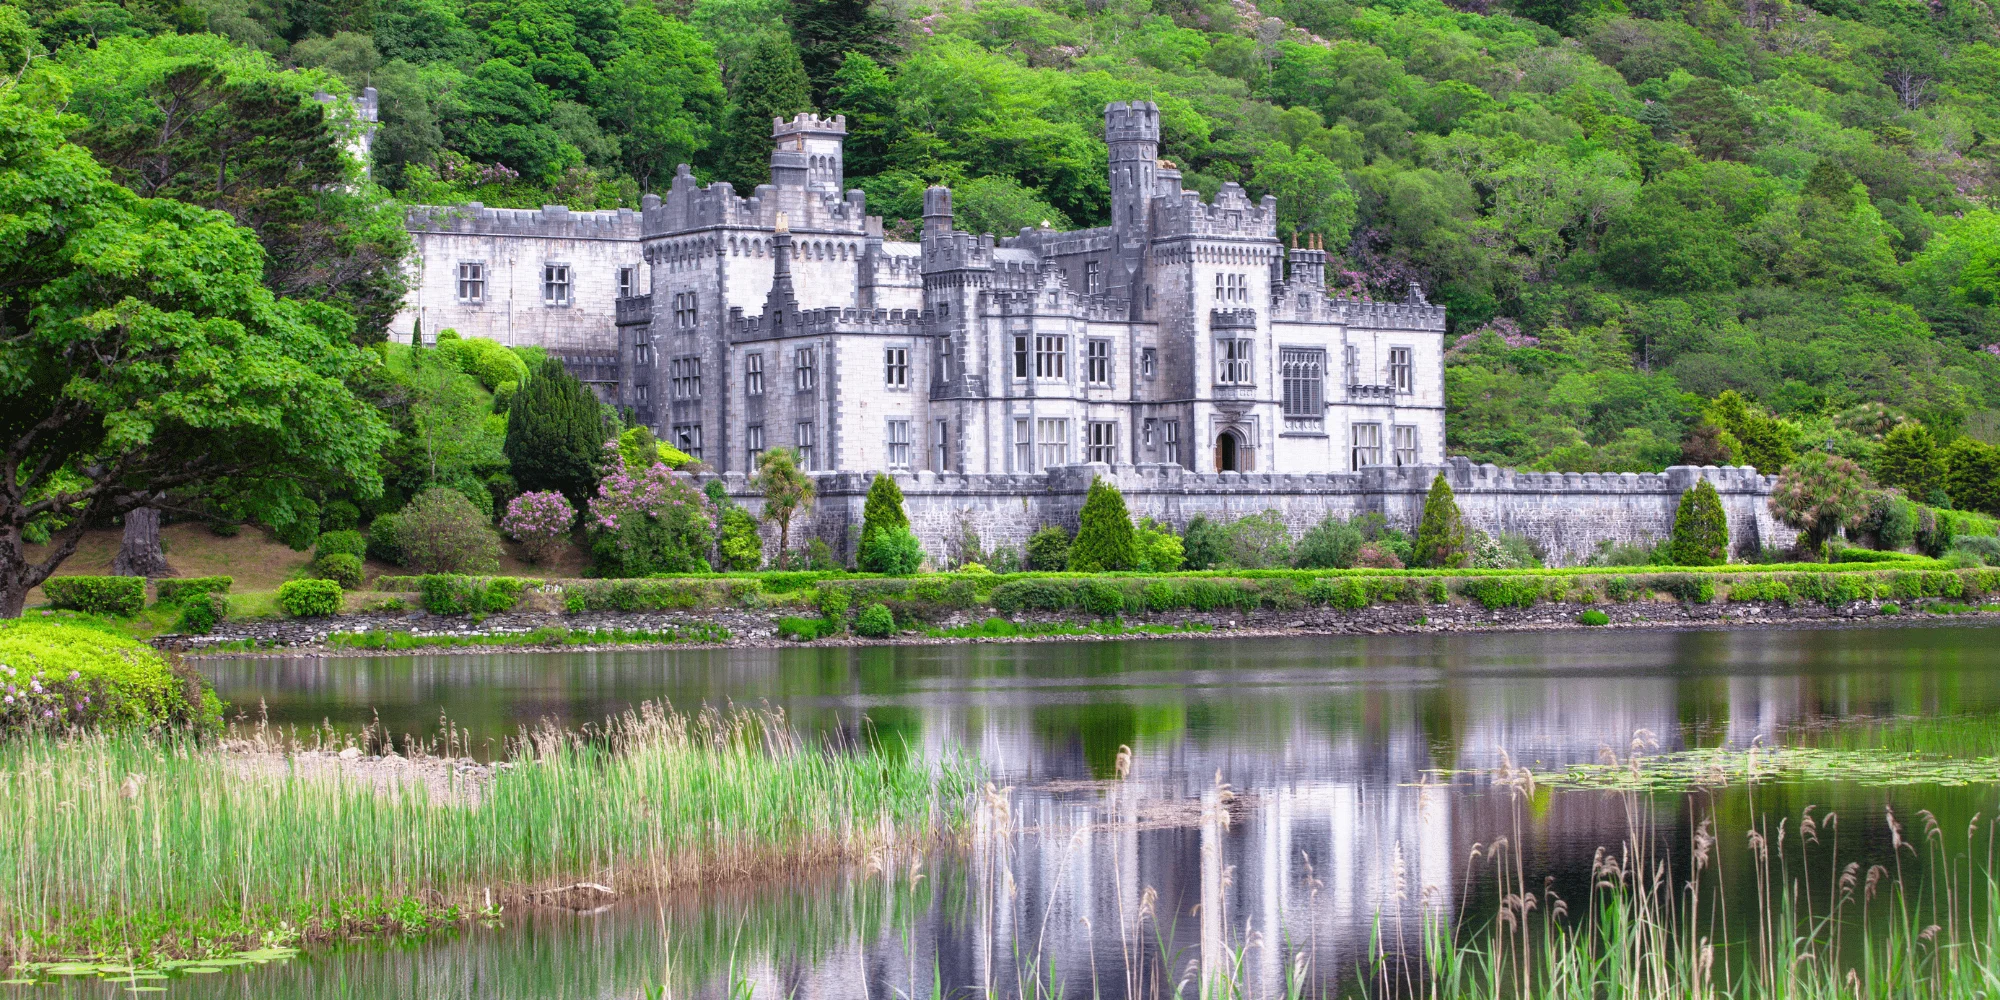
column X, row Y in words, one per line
column 143, row 362
column 556, row 432
column 773, row 86
column 194, row 119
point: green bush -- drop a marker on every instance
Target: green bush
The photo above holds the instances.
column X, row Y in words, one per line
column 1593, row 617
column 1761, row 589
column 1102, row 599
column 803, row 629
column 98, row 595
column 339, row 515
column 199, row 613
column 1333, row 543
column 1441, row 540
column 1155, row 549
column 742, row 547
column 94, row 678
column 1701, row 530
column 1688, row 588
column 1621, row 588
column 894, row 551
column 1503, row 591
column 309, row 598
column 875, row 621
column 1048, row 548
column 382, row 541
column 1204, row 544
column 1104, row 540
column 452, row 594
column 172, row 591
column 834, row 602
column 1159, row 595
column 341, row 543
column 341, row 568
column 1259, row 541
column 1892, row 608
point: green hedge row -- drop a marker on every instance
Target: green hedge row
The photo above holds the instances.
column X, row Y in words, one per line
column 930, row 597
column 97, row 595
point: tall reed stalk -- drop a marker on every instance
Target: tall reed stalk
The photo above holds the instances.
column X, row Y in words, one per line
column 118, row 842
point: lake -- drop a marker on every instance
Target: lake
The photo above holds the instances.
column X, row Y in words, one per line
column 1282, row 800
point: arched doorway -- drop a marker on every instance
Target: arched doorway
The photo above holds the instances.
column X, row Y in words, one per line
column 1228, row 452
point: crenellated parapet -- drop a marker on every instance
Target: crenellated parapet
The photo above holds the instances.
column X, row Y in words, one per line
column 1369, row 314
column 1231, row 214
column 548, row 222
column 830, row 321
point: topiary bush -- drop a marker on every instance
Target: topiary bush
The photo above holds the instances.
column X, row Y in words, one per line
column 1701, row 530
column 1593, row 617
column 57, row 676
column 123, row 596
column 341, row 568
column 1104, row 542
column 383, row 543
column 1048, row 548
column 173, row 591
column 349, row 543
column 875, row 621
column 199, row 613
column 1441, row 541
column 309, row 598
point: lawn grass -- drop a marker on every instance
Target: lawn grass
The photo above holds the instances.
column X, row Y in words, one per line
column 122, row 844
column 555, row 635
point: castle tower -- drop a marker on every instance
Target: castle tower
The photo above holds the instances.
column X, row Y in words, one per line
column 937, row 212
column 809, row 150
column 1132, row 131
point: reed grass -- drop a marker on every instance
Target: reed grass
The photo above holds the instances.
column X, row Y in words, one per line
column 126, row 844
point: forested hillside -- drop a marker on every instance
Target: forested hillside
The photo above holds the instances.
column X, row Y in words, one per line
column 1629, row 209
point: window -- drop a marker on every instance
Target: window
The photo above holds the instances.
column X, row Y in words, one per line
column 1406, row 445
column 1097, row 362
column 555, row 284
column 642, row 394
column 1170, row 440
column 896, row 367
column 753, row 442
column 1367, row 445
column 753, row 374
column 1149, row 361
column 1051, row 357
column 686, row 376
column 941, row 360
column 1232, row 288
column 1054, row 440
column 628, row 281
column 803, row 438
column 1303, row 374
column 1102, row 441
column 899, row 444
column 1146, row 434
column 684, row 311
column 1400, row 368
column 1232, row 362
column 472, row 282
column 1024, row 446
column 940, row 455
column 807, row 376
column 1020, row 355
column 642, row 348
column 687, row 437
column 1093, row 277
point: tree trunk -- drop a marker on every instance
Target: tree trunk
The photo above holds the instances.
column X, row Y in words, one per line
column 784, row 542
column 141, row 555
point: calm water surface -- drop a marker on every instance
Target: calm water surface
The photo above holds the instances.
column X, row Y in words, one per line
column 1330, row 746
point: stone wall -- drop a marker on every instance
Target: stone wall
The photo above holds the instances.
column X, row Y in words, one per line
column 1569, row 514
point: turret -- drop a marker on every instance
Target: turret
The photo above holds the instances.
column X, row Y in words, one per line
column 937, row 212
column 1132, row 133
column 810, row 151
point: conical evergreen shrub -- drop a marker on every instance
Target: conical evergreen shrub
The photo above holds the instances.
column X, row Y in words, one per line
column 556, row 431
column 1441, row 534
column 1701, row 529
column 1104, row 542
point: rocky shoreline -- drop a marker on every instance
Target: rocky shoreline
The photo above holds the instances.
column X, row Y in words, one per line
column 759, row 629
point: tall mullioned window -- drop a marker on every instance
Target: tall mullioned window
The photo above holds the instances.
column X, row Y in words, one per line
column 1051, row 357
column 628, row 282
column 802, row 438
column 1024, row 446
column 1097, row 362
column 899, row 444
column 1406, row 444
column 896, row 367
column 1400, row 369
column 685, row 316
column 1303, row 372
column 687, row 437
column 686, row 376
column 753, row 374
column 1367, row 447
column 1020, row 355
column 805, row 369
column 1101, row 442
column 940, row 455
column 1093, row 277
column 555, row 285
column 1052, row 434
column 1232, row 362
column 472, row 282
column 1232, row 288
column 753, row 442
column 1170, row 440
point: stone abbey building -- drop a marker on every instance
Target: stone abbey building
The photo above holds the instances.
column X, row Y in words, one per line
column 1181, row 351
column 1181, row 334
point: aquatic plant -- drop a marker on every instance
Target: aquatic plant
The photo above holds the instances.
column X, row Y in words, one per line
column 120, row 841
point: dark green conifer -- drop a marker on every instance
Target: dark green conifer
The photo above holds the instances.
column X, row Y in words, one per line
column 774, row 86
column 1701, row 530
column 556, row 431
column 1441, row 534
column 1104, row 541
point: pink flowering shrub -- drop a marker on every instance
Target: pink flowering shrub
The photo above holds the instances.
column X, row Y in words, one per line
column 539, row 521
column 648, row 521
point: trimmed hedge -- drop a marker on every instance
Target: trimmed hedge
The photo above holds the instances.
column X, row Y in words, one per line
column 95, row 678
column 309, row 598
column 451, row 594
column 172, row 591
column 98, row 595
